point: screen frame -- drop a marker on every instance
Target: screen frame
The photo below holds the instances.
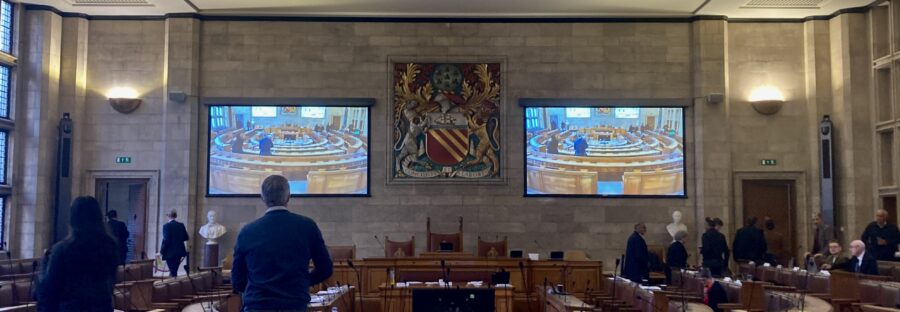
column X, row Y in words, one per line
column 209, row 102
column 526, row 103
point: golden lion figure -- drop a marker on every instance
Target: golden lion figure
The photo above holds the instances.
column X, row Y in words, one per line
column 484, row 148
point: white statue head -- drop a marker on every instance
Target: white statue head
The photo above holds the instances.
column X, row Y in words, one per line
column 676, row 217
column 211, row 216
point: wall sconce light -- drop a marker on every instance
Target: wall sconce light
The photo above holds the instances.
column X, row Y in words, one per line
column 766, row 100
column 123, row 100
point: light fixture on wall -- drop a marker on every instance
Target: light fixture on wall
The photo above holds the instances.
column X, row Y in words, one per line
column 766, row 100
column 123, row 100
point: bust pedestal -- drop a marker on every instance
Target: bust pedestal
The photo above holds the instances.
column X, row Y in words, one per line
column 211, row 255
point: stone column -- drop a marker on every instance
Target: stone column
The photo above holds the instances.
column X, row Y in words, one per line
column 817, row 67
column 851, row 71
column 180, row 133
column 37, row 114
column 72, row 90
column 711, row 129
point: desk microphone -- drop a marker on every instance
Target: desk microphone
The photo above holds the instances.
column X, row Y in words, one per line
column 34, row 265
column 380, row 243
column 615, row 277
column 538, row 244
column 358, row 279
column 525, row 285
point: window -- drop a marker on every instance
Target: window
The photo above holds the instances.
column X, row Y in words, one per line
column 4, row 143
column 3, row 223
column 4, row 91
column 217, row 118
column 6, row 26
column 533, row 117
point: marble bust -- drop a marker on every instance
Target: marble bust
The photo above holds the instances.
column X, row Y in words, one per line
column 676, row 224
column 212, row 230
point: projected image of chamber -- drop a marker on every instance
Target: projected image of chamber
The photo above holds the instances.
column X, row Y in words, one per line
column 320, row 150
column 604, row 151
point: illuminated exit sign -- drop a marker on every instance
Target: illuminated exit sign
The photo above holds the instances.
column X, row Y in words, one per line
column 767, row 162
column 123, row 160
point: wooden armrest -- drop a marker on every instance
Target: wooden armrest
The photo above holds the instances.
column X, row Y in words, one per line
column 164, row 305
column 686, row 298
column 19, row 308
column 780, row 288
column 857, row 304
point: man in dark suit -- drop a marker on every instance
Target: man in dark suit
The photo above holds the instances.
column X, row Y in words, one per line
column 676, row 255
column 120, row 232
column 749, row 242
column 861, row 261
column 882, row 237
column 637, row 256
column 272, row 255
column 174, row 238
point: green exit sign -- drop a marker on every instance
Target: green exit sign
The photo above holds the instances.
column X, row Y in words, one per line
column 123, row 160
column 767, row 162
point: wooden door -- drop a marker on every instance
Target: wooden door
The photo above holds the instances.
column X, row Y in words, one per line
column 889, row 203
column 650, row 123
column 773, row 199
column 129, row 198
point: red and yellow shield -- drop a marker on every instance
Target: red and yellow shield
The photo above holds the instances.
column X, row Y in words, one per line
column 447, row 146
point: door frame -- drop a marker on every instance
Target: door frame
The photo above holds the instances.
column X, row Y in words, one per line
column 151, row 241
column 802, row 210
column 141, row 245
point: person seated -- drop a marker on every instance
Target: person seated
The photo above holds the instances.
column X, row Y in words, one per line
column 836, row 260
column 861, row 261
column 713, row 292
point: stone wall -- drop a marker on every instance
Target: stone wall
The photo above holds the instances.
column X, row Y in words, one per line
column 677, row 60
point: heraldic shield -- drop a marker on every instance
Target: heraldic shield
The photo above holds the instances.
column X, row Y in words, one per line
column 447, row 146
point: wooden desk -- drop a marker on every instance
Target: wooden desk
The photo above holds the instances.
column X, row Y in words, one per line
column 578, row 276
column 344, row 301
column 395, row 299
column 551, row 302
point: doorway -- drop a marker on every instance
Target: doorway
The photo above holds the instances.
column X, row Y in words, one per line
column 889, row 203
column 773, row 200
column 129, row 198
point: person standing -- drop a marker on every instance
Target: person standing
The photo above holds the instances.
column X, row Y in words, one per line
column 882, row 237
column 272, row 254
column 749, row 242
column 173, row 249
column 580, row 146
column 637, row 256
column 79, row 272
column 861, row 261
column 714, row 249
column 265, row 145
column 822, row 236
column 119, row 231
column 237, row 145
column 676, row 255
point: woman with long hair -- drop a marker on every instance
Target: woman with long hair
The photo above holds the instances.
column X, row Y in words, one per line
column 80, row 271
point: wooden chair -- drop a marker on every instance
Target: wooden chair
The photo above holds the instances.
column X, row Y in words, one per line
column 399, row 249
column 435, row 239
column 496, row 249
column 342, row 253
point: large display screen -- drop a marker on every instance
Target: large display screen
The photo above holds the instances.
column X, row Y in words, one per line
column 604, row 151
column 320, row 150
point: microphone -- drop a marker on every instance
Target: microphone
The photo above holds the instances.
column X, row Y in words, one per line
column 444, row 272
column 194, row 286
column 615, row 277
column 358, row 279
column 380, row 243
column 34, row 265
column 525, row 285
column 538, row 244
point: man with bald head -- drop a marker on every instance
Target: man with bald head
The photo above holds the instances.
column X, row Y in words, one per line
column 272, row 254
column 882, row 237
column 861, row 261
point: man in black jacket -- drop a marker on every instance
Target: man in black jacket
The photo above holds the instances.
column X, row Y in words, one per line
column 861, row 261
column 272, row 255
column 749, row 242
column 173, row 243
column 637, row 256
column 120, row 232
column 882, row 237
